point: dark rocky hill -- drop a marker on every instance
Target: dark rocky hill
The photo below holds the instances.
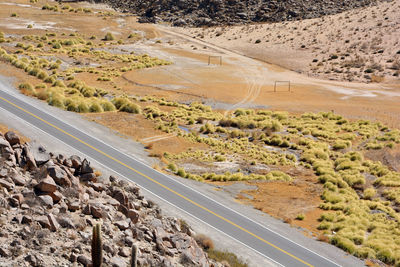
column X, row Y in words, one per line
column 229, row 12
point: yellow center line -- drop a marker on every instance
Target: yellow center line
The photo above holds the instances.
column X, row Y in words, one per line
column 160, row 184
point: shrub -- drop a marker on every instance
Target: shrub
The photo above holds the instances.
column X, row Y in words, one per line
column 13, row 14
column 344, row 243
column 130, row 108
column 107, row 105
column 369, row 193
column 181, row 172
column 120, row 101
column 204, row 241
column 27, row 89
column 82, row 107
column 300, row 217
column 172, row 167
column 223, row 256
column 109, row 37
column 96, row 108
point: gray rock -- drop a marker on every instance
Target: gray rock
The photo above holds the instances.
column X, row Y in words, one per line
column 76, row 161
column 117, row 262
column 46, row 201
column 124, row 252
column 18, row 179
column 7, row 185
column 85, row 261
column 65, row 222
column 59, row 176
column 122, row 225
column 39, row 154
column 85, row 167
column 4, row 252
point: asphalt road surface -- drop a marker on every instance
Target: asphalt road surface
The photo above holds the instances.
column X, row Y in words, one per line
column 278, row 249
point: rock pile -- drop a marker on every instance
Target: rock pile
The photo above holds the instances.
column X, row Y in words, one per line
column 49, row 203
column 229, row 12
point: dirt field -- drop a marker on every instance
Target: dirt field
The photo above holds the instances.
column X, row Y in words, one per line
column 357, row 45
column 240, row 82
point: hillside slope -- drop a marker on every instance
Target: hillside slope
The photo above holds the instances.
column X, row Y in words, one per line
column 229, row 12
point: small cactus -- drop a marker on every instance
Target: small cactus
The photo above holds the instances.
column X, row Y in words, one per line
column 97, row 247
column 134, row 256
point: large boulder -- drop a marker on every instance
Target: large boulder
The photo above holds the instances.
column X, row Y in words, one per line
column 47, row 185
column 59, row 176
column 39, row 153
column 12, row 138
column 85, row 167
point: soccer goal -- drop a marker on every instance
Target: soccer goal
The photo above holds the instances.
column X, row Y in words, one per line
column 284, row 84
column 215, row 59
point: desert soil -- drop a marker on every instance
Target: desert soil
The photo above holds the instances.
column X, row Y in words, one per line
column 239, row 82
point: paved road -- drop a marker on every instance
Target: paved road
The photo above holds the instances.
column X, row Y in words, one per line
column 271, row 245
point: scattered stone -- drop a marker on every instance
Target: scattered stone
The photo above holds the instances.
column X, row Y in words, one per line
column 59, row 176
column 122, row 225
column 46, row 201
column 39, row 154
column 56, row 196
column 96, row 212
column 76, row 162
column 133, row 215
column 12, row 138
column 4, row 252
column 117, row 262
column 85, row 261
column 26, row 219
column 53, row 223
column 73, row 205
column 7, row 185
column 85, row 167
column 18, row 179
column 47, row 185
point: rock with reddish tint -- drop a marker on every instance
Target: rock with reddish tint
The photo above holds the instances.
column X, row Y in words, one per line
column 133, row 215
column 29, row 159
column 19, row 197
column 53, row 223
column 120, row 195
column 26, row 219
column 122, row 225
column 12, row 138
column 88, row 177
column 18, row 179
column 47, row 185
column 59, row 176
column 96, row 211
column 99, row 187
column 76, row 161
column 9, row 186
column 73, row 205
column 56, row 196
column 43, row 221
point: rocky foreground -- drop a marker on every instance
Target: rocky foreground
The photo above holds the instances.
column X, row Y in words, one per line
column 230, row 12
column 49, row 203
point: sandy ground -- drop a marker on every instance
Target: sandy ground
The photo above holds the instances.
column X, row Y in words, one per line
column 357, row 45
